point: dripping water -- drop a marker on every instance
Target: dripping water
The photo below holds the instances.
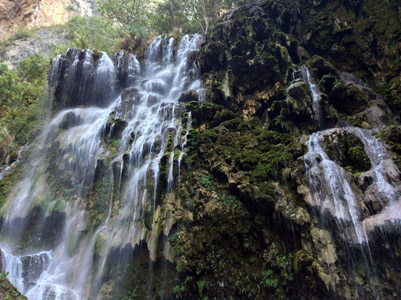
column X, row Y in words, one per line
column 333, row 194
column 315, row 96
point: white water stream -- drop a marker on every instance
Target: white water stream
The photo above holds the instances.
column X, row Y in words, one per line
column 331, row 188
column 73, row 144
column 317, row 109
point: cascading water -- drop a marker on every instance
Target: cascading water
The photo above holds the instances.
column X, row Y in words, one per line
column 331, row 188
column 358, row 203
column 8, row 166
column 86, row 193
column 315, row 96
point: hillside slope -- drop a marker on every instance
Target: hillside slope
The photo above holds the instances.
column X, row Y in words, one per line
column 35, row 13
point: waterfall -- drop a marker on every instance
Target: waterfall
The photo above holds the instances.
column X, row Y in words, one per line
column 8, row 166
column 332, row 191
column 93, row 173
column 315, row 96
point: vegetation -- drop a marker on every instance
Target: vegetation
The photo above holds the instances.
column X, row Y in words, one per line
column 21, row 98
column 95, row 33
column 145, row 17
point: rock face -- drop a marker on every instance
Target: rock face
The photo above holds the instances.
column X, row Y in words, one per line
column 100, row 79
column 36, row 13
column 8, row 291
column 305, row 213
column 284, row 184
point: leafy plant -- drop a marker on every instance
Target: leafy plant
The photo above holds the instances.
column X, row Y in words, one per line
column 232, row 202
column 3, row 275
column 21, row 96
column 20, row 34
column 96, row 33
column 5, row 141
column 130, row 14
column 205, row 181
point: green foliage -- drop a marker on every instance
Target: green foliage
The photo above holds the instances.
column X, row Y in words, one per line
column 96, row 33
column 3, row 275
column 21, row 97
column 173, row 17
column 133, row 15
column 276, row 260
column 71, row 7
column 58, row 48
column 21, row 34
column 34, row 69
column 202, row 284
column 131, row 294
column 392, row 136
column 165, row 17
column 5, row 141
column 179, row 290
column 205, row 181
column 232, row 202
column 206, row 12
column 268, row 279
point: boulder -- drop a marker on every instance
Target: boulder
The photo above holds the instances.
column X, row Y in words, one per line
column 189, row 96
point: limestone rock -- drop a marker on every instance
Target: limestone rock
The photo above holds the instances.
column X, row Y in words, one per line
column 36, row 13
column 189, row 96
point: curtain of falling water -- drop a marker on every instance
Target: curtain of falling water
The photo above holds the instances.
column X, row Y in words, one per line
column 335, row 196
column 64, row 162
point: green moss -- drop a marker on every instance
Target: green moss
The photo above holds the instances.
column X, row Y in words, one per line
column 349, row 153
column 392, row 136
column 205, row 181
column 232, row 202
column 348, row 99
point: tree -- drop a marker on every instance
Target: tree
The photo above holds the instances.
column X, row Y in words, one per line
column 164, row 17
column 173, row 15
column 207, row 12
column 134, row 15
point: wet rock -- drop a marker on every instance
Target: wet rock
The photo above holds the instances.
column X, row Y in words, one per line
column 129, row 99
column 191, row 59
column 392, row 136
column 128, row 68
column 374, row 200
column 179, row 110
column 321, row 67
column 32, row 268
column 70, row 120
column 297, row 113
column 115, row 128
column 188, row 97
column 327, row 257
column 348, row 150
column 348, row 99
column 152, row 100
column 156, row 147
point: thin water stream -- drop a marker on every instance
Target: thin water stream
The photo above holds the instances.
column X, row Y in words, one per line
column 332, row 189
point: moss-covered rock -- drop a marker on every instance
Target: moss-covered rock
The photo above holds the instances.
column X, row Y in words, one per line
column 348, row 99
column 348, row 151
column 321, row 67
column 298, row 114
column 392, row 136
column 8, row 291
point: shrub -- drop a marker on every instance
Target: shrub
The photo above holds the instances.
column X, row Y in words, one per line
column 96, row 33
column 21, row 98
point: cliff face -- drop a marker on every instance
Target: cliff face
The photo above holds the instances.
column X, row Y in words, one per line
column 36, row 13
column 278, row 214
column 284, row 183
